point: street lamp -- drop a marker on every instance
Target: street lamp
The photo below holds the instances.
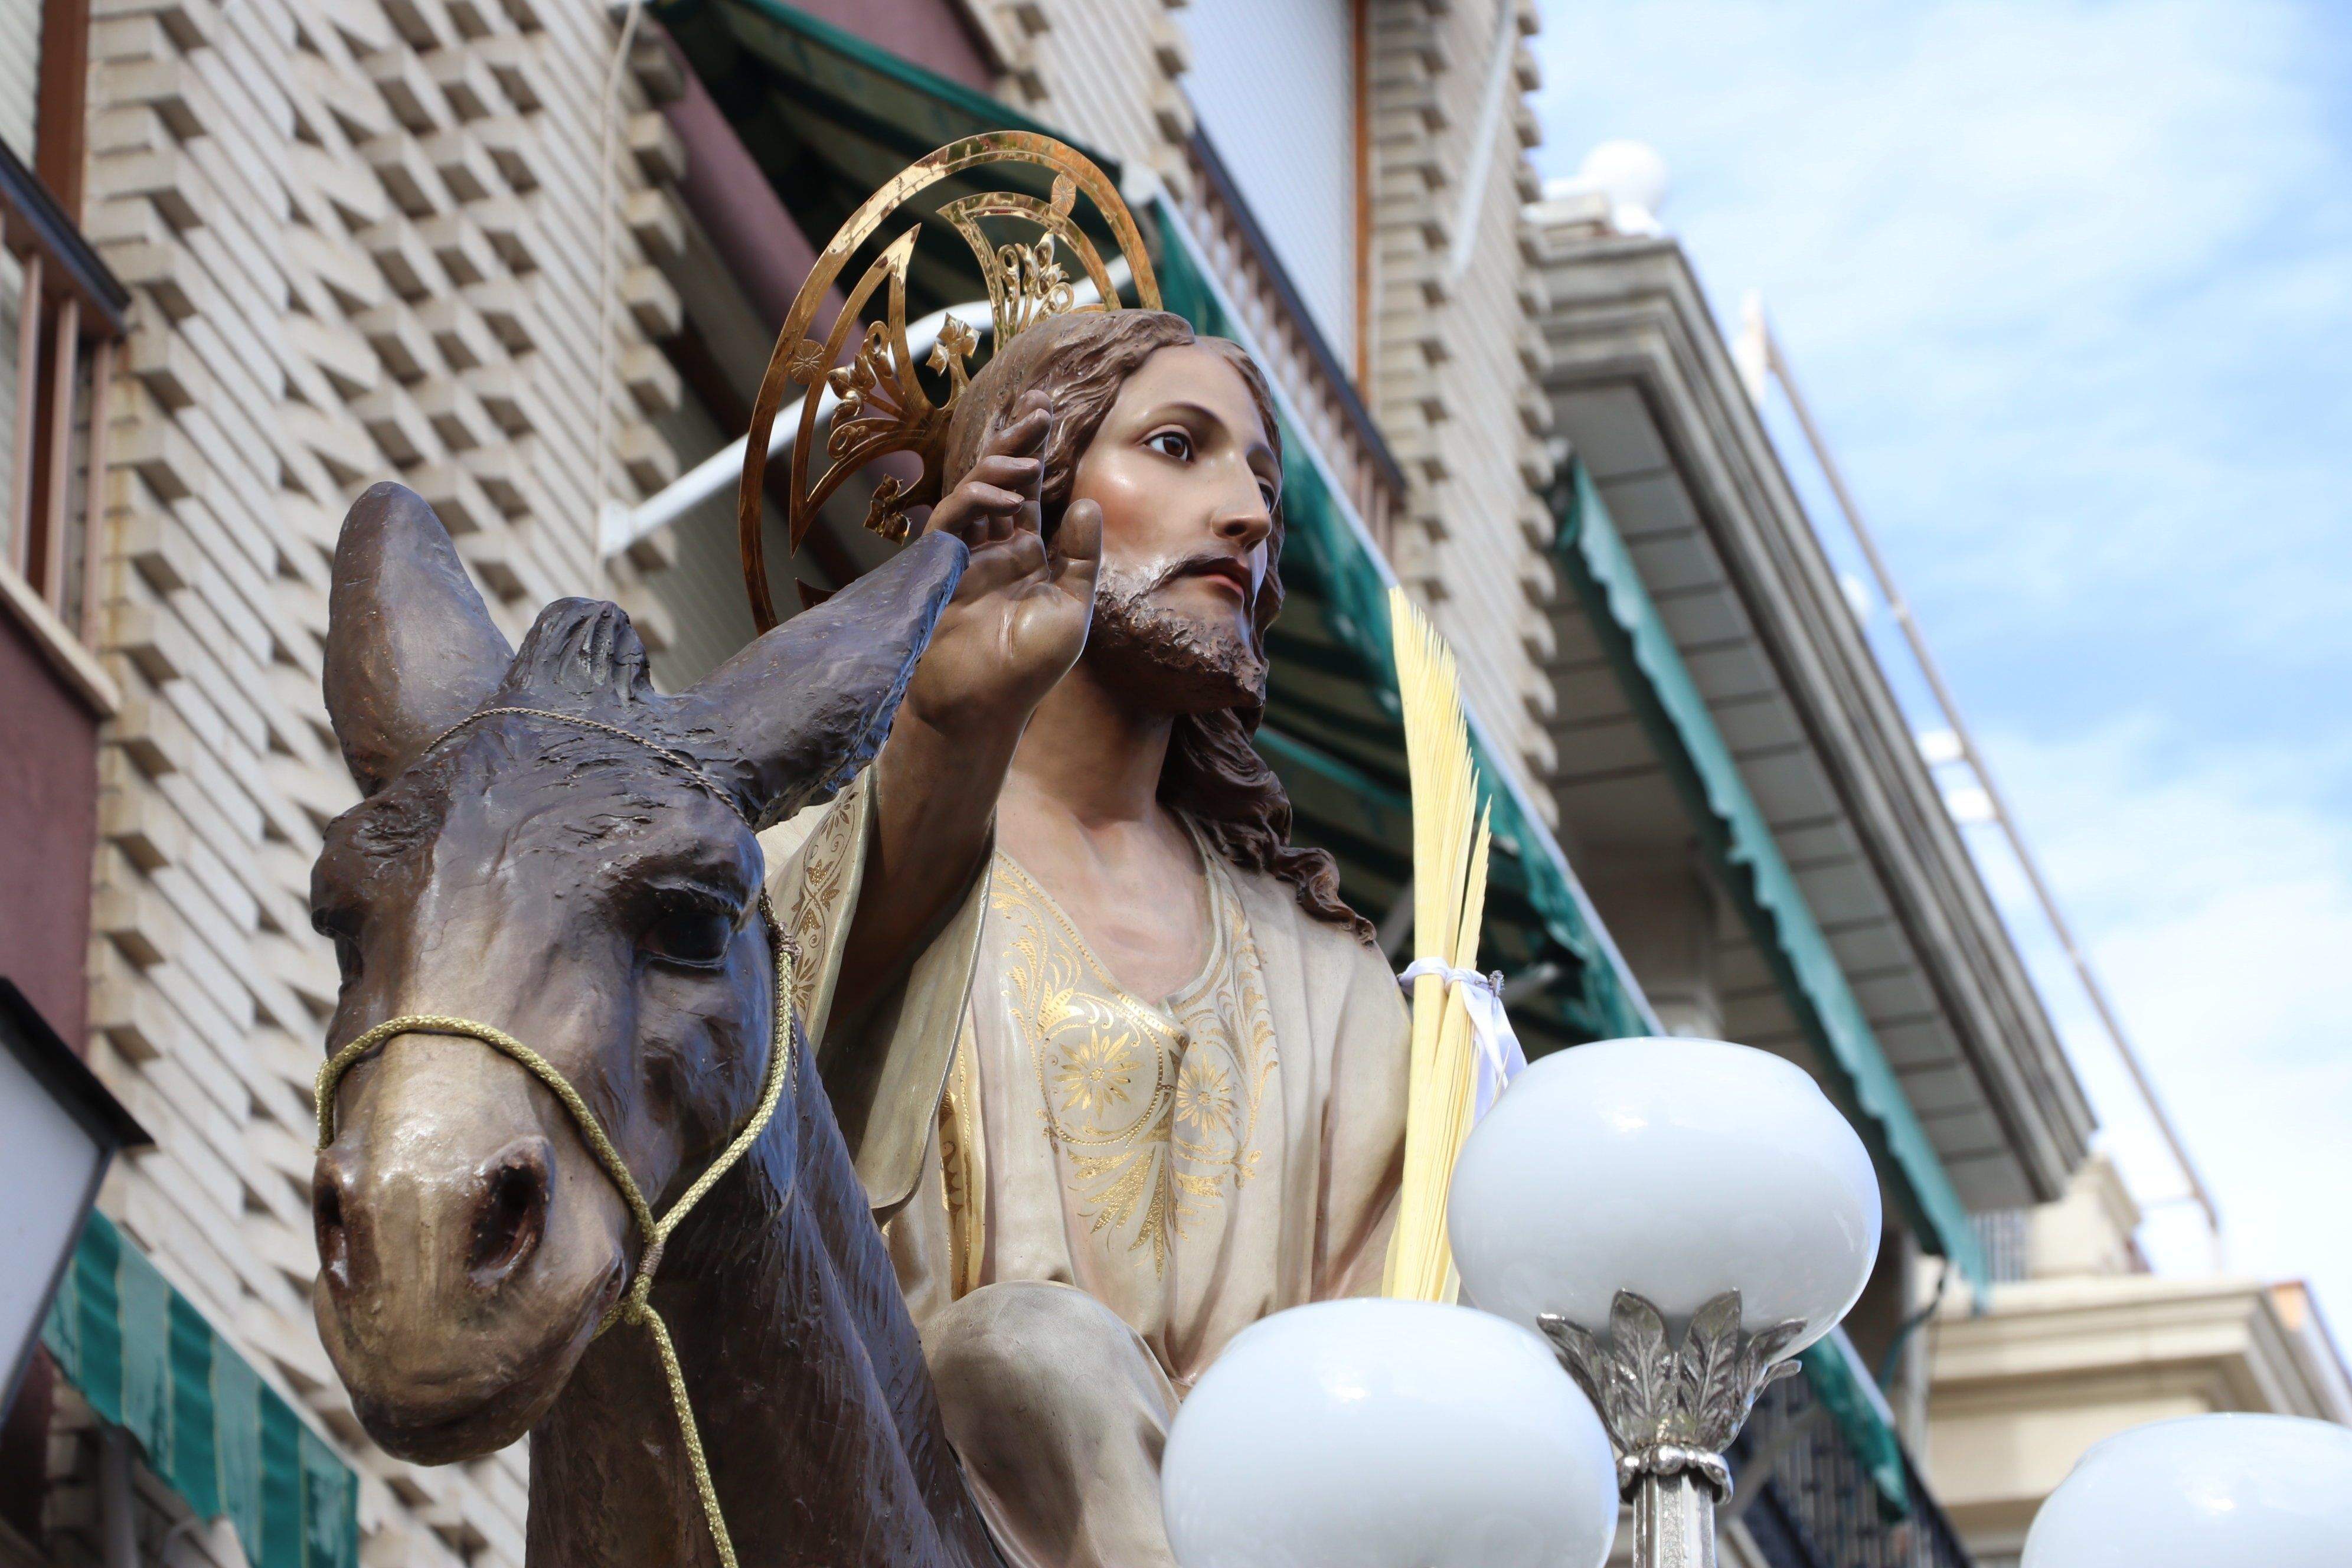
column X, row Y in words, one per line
column 1681, row 1217
column 1379, row 1434
column 58, row 1129
column 2271, row 1490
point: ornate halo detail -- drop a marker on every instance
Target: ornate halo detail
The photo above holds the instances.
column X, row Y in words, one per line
column 881, row 404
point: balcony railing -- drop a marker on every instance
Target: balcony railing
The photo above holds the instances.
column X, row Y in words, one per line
column 1807, row 1501
column 69, row 313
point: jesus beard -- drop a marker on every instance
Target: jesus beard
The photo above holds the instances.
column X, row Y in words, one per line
column 1166, row 659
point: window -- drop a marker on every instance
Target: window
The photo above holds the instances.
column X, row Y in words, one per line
column 60, row 317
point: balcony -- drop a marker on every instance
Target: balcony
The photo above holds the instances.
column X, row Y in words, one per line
column 1806, row 1499
column 67, row 312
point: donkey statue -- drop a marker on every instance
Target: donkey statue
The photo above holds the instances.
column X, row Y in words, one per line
column 550, row 846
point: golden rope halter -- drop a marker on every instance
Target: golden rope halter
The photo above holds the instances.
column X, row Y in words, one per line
column 881, row 404
column 635, row 1304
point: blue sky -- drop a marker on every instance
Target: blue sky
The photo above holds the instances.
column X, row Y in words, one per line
column 2070, row 287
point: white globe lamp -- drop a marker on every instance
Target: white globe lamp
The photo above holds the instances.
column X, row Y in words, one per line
column 1378, row 1434
column 2272, row 1491
column 1682, row 1200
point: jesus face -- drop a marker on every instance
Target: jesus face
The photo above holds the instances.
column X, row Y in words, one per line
column 1186, row 476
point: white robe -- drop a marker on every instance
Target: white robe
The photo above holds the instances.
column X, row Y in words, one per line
column 1025, row 1126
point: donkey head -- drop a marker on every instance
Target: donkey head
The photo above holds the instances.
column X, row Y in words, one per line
column 577, row 890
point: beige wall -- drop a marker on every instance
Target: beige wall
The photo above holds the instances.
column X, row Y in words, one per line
column 20, row 65
column 362, row 241
column 2087, row 1345
column 20, row 54
column 1455, row 360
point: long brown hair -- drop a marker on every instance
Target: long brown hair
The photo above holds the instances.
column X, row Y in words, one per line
column 1213, row 775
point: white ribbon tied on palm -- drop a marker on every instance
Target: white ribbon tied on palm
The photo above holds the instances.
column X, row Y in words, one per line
column 1500, row 1059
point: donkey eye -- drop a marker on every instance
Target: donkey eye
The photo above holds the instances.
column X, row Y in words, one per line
column 696, row 936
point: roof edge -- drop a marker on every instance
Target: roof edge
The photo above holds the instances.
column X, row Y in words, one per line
column 1834, row 679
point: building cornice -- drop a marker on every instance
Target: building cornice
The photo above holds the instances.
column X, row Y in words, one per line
column 2056, row 1366
column 2052, row 1342
column 1629, row 310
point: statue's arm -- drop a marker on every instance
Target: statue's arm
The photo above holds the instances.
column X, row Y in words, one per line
column 933, row 826
column 1015, row 626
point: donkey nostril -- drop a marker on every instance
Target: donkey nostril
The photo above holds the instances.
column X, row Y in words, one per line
column 513, row 1216
column 327, row 1220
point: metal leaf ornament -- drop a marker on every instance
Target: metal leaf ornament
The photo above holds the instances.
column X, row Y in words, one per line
column 1705, row 1372
column 1638, row 1333
column 1673, row 1408
column 1592, row 1368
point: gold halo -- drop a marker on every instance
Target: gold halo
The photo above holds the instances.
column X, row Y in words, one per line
column 882, row 405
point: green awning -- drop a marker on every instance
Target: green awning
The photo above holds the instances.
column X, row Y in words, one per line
column 1332, row 730
column 1846, row 1391
column 1683, row 730
column 830, row 117
column 148, row 1362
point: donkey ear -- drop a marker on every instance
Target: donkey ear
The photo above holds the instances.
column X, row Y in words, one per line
column 410, row 649
column 798, row 712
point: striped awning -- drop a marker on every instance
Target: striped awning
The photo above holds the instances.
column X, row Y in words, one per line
column 147, row 1361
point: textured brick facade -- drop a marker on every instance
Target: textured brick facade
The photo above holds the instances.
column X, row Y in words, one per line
column 363, row 238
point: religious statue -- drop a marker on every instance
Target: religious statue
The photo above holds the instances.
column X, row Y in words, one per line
column 654, row 1004
column 1121, row 1070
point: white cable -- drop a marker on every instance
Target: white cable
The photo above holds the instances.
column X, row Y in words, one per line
column 1767, row 350
column 601, row 463
column 1482, row 144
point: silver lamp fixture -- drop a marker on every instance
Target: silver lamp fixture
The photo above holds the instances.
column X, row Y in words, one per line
column 59, row 1128
column 1679, row 1217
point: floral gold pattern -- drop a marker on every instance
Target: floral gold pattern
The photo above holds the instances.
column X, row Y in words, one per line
column 1154, row 1109
column 818, row 901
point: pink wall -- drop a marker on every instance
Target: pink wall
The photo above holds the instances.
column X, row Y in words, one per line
column 48, row 830
column 931, row 33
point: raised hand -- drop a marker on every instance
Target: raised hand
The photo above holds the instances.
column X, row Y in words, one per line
column 1019, row 618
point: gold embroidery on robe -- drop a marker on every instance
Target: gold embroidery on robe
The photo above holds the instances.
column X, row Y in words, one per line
column 1155, row 1109
column 963, row 1165
column 825, row 864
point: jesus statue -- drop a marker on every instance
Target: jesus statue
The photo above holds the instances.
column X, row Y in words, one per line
column 1121, row 1071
